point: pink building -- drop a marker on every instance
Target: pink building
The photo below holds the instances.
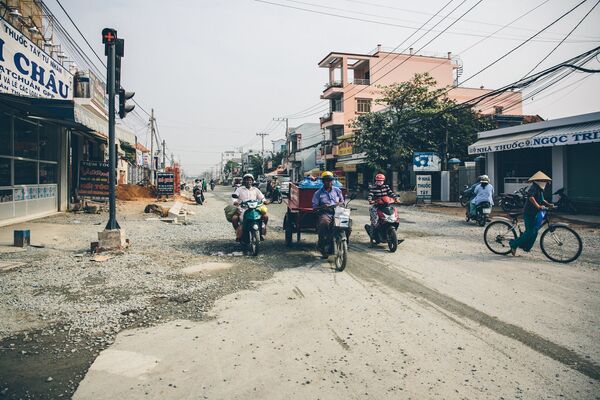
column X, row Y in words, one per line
column 352, row 89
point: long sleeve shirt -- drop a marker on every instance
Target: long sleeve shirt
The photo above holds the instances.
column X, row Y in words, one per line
column 483, row 194
column 377, row 192
column 327, row 197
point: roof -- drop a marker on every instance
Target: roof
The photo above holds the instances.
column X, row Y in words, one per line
column 142, row 148
column 543, row 125
column 337, row 54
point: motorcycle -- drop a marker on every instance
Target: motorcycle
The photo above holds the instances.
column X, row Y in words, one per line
column 198, row 195
column 276, row 196
column 212, row 186
column 482, row 213
column 336, row 242
column 564, row 203
column 515, row 201
column 467, row 194
column 387, row 224
column 251, row 225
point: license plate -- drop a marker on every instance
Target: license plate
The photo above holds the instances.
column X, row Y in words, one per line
column 487, row 210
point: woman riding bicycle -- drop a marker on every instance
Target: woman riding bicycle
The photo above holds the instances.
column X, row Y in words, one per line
column 533, row 213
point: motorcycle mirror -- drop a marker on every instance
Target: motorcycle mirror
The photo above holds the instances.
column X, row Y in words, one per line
column 235, row 196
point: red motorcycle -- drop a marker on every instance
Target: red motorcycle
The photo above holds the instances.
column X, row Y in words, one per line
column 387, row 224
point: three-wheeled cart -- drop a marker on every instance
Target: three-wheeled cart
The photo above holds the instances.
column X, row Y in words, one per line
column 300, row 216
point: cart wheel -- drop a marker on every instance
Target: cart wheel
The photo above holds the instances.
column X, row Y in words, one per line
column 289, row 231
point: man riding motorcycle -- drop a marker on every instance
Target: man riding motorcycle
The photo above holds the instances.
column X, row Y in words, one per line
column 322, row 200
column 198, row 186
column 244, row 193
column 377, row 192
column 483, row 193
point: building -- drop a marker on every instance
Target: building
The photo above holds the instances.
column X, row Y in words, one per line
column 226, row 156
column 352, row 90
column 278, row 145
column 52, row 118
column 304, row 141
column 566, row 149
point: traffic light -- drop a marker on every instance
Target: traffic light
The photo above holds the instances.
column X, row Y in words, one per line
column 119, row 53
column 125, row 108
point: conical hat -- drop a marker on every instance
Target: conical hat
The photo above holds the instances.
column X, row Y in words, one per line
column 539, row 176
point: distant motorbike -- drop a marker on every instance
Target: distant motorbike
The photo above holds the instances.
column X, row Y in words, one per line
column 387, row 224
column 251, row 225
column 212, row 186
column 514, row 201
column 198, row 195
column 564, row 203
column 276, row 196
column 482, row 213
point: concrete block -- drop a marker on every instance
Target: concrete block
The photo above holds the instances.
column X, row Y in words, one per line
column 22, row 238
column 112, row 239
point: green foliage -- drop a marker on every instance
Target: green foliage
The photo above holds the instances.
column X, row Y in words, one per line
column 256, row 162
column 416, row 119
column 230, row 166
column 278, row 159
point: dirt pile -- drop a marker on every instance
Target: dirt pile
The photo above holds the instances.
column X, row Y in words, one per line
column 135, row 192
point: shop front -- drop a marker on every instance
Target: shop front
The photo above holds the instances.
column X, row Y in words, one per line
column 566, row 149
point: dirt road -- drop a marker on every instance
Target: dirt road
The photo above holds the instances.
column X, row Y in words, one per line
column 441, row 318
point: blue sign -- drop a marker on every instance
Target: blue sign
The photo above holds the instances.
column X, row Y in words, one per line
column 426, row 161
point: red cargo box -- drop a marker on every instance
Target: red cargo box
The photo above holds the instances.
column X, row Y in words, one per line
column 301, row 198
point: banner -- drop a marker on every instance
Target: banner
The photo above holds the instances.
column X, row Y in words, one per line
column 165, row 183
column 93, row 178
column 426, row 161
column 424, row 187
column 27, row 70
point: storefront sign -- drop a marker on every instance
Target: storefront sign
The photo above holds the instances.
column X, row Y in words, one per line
column 541, row 140
column 165, row 183
column 424, row 187
column 93, row 178
column 344, row 149
column 26, row 70
column 426, row 161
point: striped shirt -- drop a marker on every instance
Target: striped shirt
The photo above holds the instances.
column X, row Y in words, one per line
column 377, row 192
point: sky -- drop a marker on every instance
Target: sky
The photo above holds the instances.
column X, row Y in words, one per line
column 217, row 72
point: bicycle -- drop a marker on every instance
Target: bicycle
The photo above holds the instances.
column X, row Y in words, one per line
column 558, row 241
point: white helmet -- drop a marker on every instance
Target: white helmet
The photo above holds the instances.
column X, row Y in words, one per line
column 484, row 178
column 248, row 176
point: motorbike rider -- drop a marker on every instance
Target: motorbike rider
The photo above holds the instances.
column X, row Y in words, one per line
column 484, row 192
column 212, row 184
column 328, row 195
column 198, row 186
column 244, row 193
column 381, row 189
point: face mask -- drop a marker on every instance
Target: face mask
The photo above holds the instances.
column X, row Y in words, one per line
column 542, row 185
column 378, row 183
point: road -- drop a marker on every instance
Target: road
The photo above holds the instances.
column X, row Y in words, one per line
column 442, row 318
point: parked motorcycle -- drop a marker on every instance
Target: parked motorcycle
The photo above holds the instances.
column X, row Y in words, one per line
column 251, row 225
column 387, row 224
column 564, row 203
column 198, row 195
column 514, row 201
column 482, row 213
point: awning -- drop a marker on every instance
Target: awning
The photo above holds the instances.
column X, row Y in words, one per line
column 340, row 164
column 565, row 135
column 501, row 143
column 347, row 136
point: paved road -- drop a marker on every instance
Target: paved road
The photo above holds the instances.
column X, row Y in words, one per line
column 441, row 318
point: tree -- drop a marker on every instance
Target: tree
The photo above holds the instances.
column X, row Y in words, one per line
column 278, row 158
column 256, row 162
column 230, row 167
column 417, row 118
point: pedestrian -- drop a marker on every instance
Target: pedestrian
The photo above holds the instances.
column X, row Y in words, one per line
column 533, row 212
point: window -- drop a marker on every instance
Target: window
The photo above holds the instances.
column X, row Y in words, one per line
column 5, row 135
column 26, row 140
column 5, row 168
column 25, row 172
column 48, row 173
column 498, row 109
column 48, row 143
column 363, row 105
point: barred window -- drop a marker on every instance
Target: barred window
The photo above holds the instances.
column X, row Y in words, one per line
column 363, row 105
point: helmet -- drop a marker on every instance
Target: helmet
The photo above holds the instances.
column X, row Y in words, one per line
column 248, row 176
column 327, row 175
column 380, row 177
column 484, row 178
column 197, row 180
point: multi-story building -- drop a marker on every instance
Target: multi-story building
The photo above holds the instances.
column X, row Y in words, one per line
column 352, row 89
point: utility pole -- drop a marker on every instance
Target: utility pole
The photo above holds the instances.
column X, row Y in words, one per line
column 287, row 139
column 164, row 153
column 262, row 153
column 152, row 147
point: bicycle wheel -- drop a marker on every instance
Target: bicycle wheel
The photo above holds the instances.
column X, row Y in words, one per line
column 497, row 235
column 561, row 244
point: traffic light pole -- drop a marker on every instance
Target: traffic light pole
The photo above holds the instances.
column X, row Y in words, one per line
column 112, row 156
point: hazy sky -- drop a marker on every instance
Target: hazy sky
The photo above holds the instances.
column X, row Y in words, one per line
column 217, row 72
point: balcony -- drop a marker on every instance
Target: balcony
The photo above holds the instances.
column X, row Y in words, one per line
column 332, row 88
column 332, row 118
column 365, row 82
